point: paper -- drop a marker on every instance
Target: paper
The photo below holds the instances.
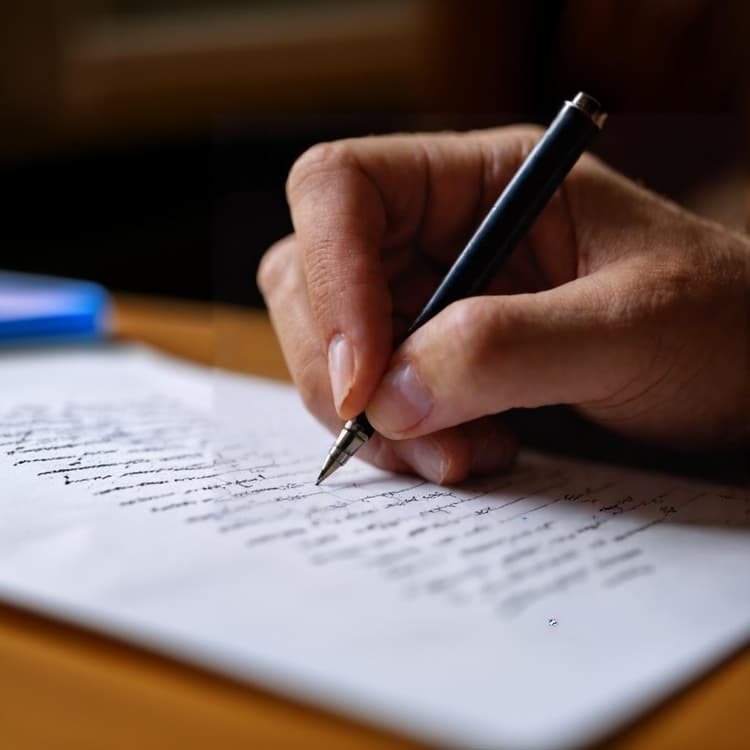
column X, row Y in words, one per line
column 175, row 507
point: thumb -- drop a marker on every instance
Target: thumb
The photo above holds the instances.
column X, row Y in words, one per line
column 488, row 354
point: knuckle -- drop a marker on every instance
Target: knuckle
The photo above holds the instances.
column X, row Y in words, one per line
column 661, row 285
column 321, row 157
column 476, row 333
column 679, row 276
column 273, row 267
column 481, row 337
column 503, row 151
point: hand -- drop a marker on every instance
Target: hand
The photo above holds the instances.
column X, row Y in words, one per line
column 618, row 303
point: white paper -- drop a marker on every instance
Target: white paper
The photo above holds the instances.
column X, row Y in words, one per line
column 174, row 506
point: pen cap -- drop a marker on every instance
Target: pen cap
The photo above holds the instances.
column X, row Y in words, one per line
column 590, row 107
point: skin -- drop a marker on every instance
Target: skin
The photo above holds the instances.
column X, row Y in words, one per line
column 618, row 303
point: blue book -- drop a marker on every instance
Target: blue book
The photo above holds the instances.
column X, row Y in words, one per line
column 53, row 309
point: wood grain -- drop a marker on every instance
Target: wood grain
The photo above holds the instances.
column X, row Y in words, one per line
column 64, row 687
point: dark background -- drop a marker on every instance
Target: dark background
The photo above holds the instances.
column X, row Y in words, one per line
column 145, row 145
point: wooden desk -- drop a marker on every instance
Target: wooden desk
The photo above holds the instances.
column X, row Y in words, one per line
column 61, row 687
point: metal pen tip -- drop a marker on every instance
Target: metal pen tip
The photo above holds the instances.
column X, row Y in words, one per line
column 354, row 434
column 329, row 467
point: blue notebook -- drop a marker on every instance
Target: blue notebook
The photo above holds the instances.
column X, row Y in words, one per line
column 44, row 307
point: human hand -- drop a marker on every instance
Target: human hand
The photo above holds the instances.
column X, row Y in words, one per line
column 618, row 303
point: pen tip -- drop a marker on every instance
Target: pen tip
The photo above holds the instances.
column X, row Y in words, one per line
column 328, row 468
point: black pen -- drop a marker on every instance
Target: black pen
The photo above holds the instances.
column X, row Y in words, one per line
column 497, row 236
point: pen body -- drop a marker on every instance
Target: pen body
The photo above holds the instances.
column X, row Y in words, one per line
column 515, row 210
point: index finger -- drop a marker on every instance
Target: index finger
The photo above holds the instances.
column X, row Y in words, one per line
column 340, row 221
column 352, row 201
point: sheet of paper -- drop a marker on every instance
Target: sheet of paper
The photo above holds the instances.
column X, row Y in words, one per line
column 175, row 507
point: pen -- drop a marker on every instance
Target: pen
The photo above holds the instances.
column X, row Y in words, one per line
column 501, row 230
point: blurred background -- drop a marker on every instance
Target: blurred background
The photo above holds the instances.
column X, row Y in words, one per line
column 144, row 144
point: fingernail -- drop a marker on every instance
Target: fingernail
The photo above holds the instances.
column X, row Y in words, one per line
column 424, row 457
column 340, row 368
column 401, row 402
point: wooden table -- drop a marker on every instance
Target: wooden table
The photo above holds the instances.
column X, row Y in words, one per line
column 64, row 687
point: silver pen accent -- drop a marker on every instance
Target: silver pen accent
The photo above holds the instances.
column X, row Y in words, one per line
column 590, row 107
column 354, row 434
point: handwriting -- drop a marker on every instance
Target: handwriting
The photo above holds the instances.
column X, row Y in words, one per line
column 503, row 543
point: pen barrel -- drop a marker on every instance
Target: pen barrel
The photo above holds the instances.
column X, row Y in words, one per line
column 515, row 210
